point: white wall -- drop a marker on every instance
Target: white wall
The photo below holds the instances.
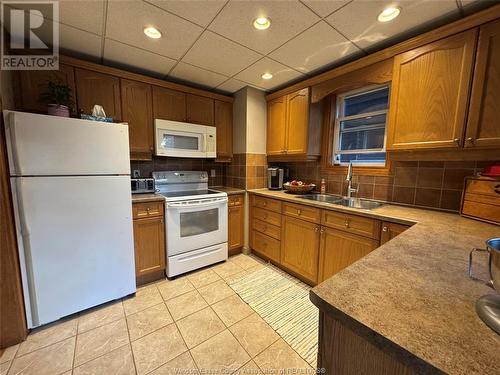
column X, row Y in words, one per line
column 256, row 121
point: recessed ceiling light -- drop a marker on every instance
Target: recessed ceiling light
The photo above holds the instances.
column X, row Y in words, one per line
column 262, row 23
column 388, row 14
column 152, row 32
column 267, row 76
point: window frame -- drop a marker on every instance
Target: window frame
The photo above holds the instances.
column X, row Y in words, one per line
column 339, row 117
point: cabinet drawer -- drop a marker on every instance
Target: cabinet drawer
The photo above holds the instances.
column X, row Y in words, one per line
column 302, row 212
column 269, row 229
column 147, row 209
column 235, row 200
column 268, row 204
column 269, row 217
column 266, row 245
column 363, row 226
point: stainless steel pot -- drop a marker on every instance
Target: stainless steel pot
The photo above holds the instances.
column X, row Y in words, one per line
column 493, row 248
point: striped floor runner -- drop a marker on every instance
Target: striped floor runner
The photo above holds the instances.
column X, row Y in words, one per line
column 283, row 302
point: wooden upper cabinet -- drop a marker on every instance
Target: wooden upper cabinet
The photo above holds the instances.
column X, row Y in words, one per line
column 430, row 94
column 300, row 247
column 137, row 107
column 169, row 104
column 98, row 88
column 483, row 127
column 223, row 114
column 199, row 110
column 276, row 126
column 297, row 122
column 33, row 83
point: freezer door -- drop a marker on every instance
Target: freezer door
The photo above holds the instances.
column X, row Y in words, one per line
column 76, row 242
column 40, row 145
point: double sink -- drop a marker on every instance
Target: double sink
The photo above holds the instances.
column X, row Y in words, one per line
column 362, row 204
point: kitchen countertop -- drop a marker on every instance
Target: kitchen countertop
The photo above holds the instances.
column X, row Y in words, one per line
column 412, row 296
column 147, row 197
column 228, row 190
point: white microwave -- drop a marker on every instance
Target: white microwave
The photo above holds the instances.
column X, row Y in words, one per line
column 184, row 140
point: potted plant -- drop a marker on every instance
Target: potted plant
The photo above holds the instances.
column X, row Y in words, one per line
column 58, row 98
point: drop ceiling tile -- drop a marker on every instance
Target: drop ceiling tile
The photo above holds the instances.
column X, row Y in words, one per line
column 358, row 19
column 220, row 55
column 200, row 12
column 87, row 15
column 316, row 47
column 325, row 7
column 288, row 18
column 281, row 74
column 197, row 75
column 132, row 58
column 232, row 85
column 126, row 21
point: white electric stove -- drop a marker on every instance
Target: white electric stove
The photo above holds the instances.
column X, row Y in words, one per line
column 196, row 220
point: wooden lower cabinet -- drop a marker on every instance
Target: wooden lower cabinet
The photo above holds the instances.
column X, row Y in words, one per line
column 236, row 218
column 340, row 249
column 149, row 245
column 300, row 247
column 391, row 230
column 267, row 246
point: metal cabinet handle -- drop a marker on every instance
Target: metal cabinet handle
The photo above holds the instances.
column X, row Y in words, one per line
column 346, row 223
column 457, row 141
column 384, row 229
column 299, row 212
column 316, row 229
column 470, row 139
column 322, row 230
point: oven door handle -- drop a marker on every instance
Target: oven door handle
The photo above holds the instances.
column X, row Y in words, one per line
column 198, row 204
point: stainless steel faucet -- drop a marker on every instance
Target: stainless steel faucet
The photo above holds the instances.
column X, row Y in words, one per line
column 350, row 189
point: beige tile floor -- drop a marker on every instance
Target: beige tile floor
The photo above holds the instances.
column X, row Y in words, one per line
column 190, row 325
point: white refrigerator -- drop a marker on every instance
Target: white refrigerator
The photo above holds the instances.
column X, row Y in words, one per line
column 70, row 182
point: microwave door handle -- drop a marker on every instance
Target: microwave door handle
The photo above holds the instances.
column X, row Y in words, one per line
column 196, row 205
column 204, row 143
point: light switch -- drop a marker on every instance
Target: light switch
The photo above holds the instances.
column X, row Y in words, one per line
column 136, row 173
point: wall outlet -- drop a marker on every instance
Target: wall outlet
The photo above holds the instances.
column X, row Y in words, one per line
column 136, row 173
column 212, row 172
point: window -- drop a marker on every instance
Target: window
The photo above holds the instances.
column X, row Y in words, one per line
column 360, row 123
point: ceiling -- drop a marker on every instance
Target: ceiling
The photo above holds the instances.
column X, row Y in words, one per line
column 213, row 44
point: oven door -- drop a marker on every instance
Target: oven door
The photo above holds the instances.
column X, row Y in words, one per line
column 195, row 224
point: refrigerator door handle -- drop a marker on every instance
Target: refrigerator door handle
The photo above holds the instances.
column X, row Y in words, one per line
column 12, row 142
column 28, row 262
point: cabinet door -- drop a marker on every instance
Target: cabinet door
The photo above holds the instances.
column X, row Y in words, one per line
column 98, row 88
column 149, row 243
column 235, row 223
column 391, row 230
column 339, row 250
column 34, row 82
column 297, row 122
column 169, row 104
column 276, row 126
column 483, row 128
column 300, row 247
column 200, row 110
column 430, row 88
column 137, row 107
column 224, row 124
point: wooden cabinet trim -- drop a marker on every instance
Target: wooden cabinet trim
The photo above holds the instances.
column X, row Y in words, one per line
column 359, row 225
column 270, row 217
column 142, row 78
column 267, row 203
column 147, row 209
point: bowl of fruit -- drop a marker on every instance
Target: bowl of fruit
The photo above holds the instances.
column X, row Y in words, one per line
column 298, row 187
